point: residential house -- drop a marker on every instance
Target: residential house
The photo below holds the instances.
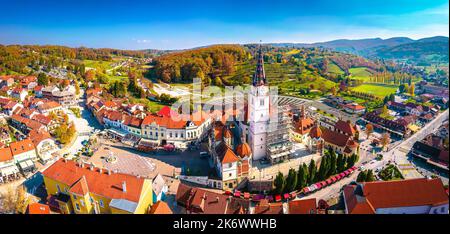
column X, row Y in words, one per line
column 264, row 207
column 24, row 154
column 44, row 144
column 5, row 138
column 49, row 106
column 74, row 187
column 38, row 208
column 200, row 201
column 305, row 206
column 354, row 108
column 8, row 167
column 413, row 196
column 6, row 81
column 19, row 93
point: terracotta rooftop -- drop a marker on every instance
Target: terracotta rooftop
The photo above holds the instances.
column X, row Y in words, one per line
column 264, row 207
column 19, row 147
column 345, row 127
column 98, row 182
column 335, row 138
column 390, row 194
column 307, row 206
column 37, row 208
column 203, row 201
column 5, row 154
column 225, row 153
column 160, row 207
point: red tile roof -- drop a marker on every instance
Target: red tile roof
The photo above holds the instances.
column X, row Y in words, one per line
column 307, row 206
column 226, row 154
column 37, row 136
column 19, row 147
column 5, row 154
column 264, row 207
column 390, row 194
column 110, row 186
column 160, row 207
column 37, row 208
column 80, row 187
column 345, row 127
column 335, row 138
column 206, row 202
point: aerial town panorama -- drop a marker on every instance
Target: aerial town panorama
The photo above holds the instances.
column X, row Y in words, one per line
column 252, row 123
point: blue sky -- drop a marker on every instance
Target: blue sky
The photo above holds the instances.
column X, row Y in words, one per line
column 173, row 24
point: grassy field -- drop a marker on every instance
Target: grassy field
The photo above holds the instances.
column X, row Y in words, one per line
column 360, row 73
column 333, row 68
column 104, row 65
column 294, row 51
column 379, row 90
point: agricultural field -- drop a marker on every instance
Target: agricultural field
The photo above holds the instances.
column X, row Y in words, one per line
column 360, row 73
column 333, row 68
column 379, row 90
column 292, row 52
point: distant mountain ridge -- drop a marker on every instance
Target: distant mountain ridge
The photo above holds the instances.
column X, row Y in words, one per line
column 425, row 50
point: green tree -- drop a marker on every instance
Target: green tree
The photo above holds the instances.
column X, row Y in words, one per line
column 340, row 163
column 291, row 181
column 42, row 79
column 361, row 176
column 279, row 183
column 333, row 164
column 312, row 172
column 302, row 174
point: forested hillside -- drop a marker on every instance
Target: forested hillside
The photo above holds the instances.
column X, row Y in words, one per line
column 205, row 63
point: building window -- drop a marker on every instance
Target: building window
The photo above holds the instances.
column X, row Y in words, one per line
column 176, row 135
column 77, row 206
column 100, row 202
column 261, row 102
column 91, row 199
column 58, row 188
column 230, row 165
column 229, row 174
column 82, row 202
column 182, row 135
column 74, row 197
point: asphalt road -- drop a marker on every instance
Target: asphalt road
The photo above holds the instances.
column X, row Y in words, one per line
column 392, row 154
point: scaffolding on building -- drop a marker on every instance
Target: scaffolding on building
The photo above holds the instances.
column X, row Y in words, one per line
column 279, row 146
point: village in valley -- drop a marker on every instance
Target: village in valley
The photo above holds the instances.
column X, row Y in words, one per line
column 69, row 149
column 357, row 126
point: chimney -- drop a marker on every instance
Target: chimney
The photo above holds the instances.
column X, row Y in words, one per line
column 124, row 187
column 92, row 167
column 109, row 171
column 100, row 170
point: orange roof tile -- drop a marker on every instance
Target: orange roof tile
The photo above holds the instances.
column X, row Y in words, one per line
column 307, row 206
column 160, row 207
column 37, row 208
column 19, row 147
column 110, row 186
column 80, row 187
column 5, row 154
